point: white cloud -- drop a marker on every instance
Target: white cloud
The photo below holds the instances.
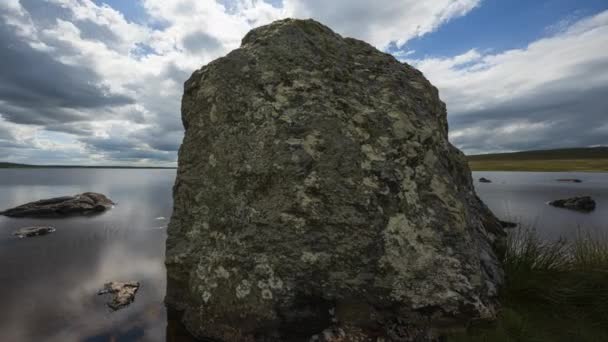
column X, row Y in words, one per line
column 148, row 61
column 553, row 82
column 381, row 22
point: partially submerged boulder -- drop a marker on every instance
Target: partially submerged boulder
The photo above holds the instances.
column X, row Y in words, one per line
column 569, row 180
column 580, row 203
column 484, row 180
column 508, row 224
column 33, row 231
column 123, row 293
column 317, row 194
column 82, row 204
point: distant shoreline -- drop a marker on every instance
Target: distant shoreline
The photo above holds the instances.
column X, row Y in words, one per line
column 592, row 159
column 555, row 165
column 27, row 166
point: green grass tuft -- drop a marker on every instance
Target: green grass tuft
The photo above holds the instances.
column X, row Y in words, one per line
column 554, row 291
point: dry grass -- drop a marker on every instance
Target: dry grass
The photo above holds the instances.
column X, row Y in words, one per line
column 554, row 291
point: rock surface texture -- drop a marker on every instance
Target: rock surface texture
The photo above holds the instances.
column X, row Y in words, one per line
column 33, row 231
column 318, row 198
column 581, row 203
column 123, row 293
column 82, row 204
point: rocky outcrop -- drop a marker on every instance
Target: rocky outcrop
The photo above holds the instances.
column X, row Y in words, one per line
column 318, row 195
column 581, row 203
column 82, row 204
column 33, row 231
column 123, row 293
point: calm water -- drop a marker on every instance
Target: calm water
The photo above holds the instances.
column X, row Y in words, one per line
column 523, row 196
column 48, row 284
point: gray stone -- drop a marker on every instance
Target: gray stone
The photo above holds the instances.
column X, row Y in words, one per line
column 580, row 203
column 508, row 224
column 82, row 204
column 317, row 190
column 33, row 231
column 484, row 180
column 569, row 180
column 123, row 293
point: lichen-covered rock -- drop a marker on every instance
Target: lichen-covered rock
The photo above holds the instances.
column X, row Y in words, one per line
column 123, row 293
column 579, row 203
column 317, row 190
column 82, row 204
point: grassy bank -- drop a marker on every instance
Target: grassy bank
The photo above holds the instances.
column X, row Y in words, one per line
column 572, row 159
column 581, row 165
column 553, row 292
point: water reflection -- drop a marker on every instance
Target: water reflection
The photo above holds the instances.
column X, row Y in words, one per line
column 48, row 284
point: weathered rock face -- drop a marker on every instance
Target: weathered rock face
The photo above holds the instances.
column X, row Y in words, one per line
column 83, row 204
column 317, row 190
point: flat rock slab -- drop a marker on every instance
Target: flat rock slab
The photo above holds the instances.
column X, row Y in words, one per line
column 123, row 293
column 569, row 180
column 33, row 231
column 581, row 203
column 83, row 204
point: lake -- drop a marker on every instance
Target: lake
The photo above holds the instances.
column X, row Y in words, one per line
column 48, row 284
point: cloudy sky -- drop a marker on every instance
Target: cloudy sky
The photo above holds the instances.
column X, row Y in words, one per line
column 100, row 81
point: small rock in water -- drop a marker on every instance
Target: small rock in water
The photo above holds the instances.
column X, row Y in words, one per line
column 571, row 180
column 581, row 203
column 33, row 231
column 83, row 204
column 507, row 224
column 484, row 180
column 123, row 293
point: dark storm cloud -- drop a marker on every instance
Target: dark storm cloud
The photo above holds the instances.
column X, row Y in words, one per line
column 137, row 155
column 551, row 117
column 37, row 89
column 108, row 144
column 134, row 148
column 200, row 41
column 162, row 140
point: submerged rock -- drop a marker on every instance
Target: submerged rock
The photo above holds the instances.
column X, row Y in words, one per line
column 570, row 180
column 123, row 293
column 33, row 231
column 508, row 224
column 484, row 180
column 317, row 189
column 581, row 203
column 82, row 204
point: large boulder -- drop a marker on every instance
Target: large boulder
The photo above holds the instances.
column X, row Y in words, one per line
column 82, row 204
column 317, row 196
